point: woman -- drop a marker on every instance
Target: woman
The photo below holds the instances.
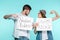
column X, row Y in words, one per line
column 42, row 14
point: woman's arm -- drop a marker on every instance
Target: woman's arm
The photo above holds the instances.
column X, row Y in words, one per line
column 34, row 26
column 57, row 15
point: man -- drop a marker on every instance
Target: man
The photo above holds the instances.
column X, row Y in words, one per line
column 20, row 34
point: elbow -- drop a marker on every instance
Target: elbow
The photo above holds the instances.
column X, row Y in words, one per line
column 58, row 16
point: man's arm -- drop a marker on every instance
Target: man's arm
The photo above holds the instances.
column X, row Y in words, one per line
column 57, row 15
column 12, row 16
column 7, row 16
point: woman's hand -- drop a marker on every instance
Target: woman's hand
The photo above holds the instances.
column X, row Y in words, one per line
column 35, row 25
column 52, row 12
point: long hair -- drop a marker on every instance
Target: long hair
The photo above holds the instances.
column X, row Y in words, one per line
column 43, row 13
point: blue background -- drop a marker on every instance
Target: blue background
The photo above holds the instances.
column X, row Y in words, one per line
column 15, row 6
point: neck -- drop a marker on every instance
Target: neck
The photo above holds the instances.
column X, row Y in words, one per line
column 40, row 17
column 23, row 13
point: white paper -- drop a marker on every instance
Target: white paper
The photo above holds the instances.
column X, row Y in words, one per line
column 26, row 23
column 45, row 24
column 44, row 35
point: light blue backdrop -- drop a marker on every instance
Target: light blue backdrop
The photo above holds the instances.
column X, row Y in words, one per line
column 15, row 6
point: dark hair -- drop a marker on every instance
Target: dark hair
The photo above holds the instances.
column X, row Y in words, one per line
column 26, row 7
column 43, row 13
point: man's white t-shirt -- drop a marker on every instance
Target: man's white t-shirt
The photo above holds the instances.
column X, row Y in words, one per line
column 17, row 31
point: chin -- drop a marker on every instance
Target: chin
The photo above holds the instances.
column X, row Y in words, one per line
column 26, row 14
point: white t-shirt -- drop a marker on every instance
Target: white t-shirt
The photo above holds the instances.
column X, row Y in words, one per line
column 17, row 31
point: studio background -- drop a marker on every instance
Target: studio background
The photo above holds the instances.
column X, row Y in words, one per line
column 15, row 6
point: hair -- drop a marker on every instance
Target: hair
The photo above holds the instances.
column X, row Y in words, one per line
column 43, row 13
column 27, row 7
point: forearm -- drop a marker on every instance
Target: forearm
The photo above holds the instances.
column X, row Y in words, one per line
column 35, row 30
column 7, row 16
column 56, row 14
column 34, row 27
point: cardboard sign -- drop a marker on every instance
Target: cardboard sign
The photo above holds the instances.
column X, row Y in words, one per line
column 26, row 23
column 45, row 24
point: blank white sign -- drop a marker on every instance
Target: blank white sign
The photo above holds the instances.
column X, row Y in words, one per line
column 45, row 24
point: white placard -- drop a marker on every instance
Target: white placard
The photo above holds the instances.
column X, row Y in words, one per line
column 45, row 24
column 26, row 23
